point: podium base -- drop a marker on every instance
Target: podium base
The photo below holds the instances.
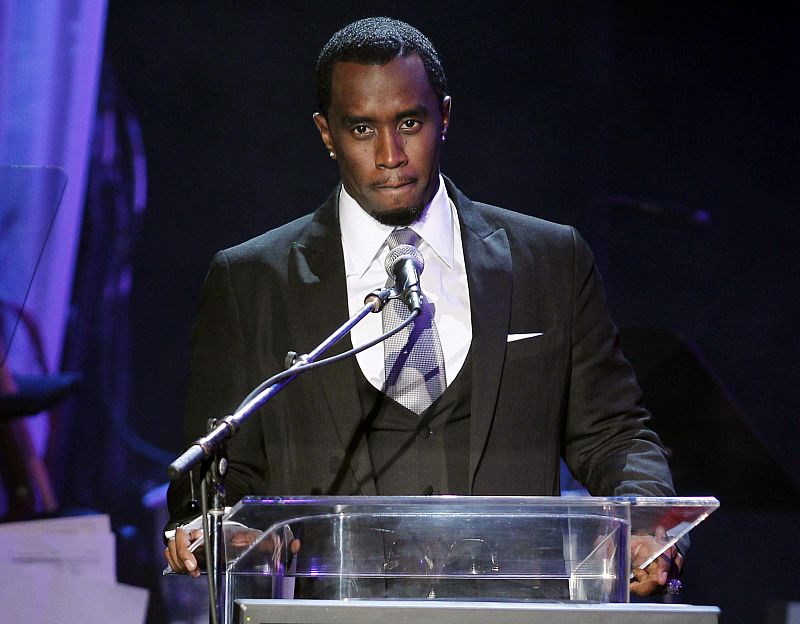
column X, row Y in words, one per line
column 440, row 612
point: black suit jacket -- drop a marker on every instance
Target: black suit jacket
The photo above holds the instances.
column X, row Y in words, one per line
column 568, row 392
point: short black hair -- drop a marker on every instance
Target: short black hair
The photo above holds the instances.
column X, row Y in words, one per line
column 376, row 41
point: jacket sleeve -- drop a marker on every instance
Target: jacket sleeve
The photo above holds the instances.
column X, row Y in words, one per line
column 607, row 443
column 220, row 377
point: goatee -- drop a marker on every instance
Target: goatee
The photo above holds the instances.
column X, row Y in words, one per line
column 404, row 216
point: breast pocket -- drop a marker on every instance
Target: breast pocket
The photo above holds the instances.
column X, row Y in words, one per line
column 533, row 375
column 530, row 347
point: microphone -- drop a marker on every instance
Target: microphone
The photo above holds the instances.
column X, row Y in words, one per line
column 405, row 264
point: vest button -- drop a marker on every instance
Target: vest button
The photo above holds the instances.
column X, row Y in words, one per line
column 425, row 433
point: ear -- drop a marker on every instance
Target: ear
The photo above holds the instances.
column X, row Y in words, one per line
column 324, row 131
column 446, row 106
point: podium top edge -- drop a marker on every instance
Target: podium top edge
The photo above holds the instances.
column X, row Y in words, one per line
column 546, row 501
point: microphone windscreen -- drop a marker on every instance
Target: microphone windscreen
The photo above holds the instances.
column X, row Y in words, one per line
column 404, row 251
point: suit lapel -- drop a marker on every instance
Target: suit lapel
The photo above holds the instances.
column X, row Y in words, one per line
column 318, row 293
column 488, row 261
column 317, row 282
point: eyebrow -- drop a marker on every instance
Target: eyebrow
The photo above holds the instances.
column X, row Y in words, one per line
column 417, row 111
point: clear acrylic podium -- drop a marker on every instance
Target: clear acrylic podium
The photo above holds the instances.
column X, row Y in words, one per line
column 495, row 549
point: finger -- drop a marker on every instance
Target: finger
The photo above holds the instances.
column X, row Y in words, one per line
column 677, row 564
column 636, row 546
column 647, row 588
column 645, row 583
column 183, row 554
column 659, row 569
column 173, row 560
column 172, row 557
column 170, row 560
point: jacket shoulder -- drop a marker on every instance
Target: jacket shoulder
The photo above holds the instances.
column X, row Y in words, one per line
column 268, row 246
column 532, row 235
column 503, row 217
column 485, row 218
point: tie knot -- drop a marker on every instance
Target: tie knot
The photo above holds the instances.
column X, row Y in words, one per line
column 403, row 236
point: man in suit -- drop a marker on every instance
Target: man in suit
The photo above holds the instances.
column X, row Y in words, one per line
column 526, row 367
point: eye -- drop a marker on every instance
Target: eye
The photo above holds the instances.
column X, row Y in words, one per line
column 410, row 124
column 361, row 130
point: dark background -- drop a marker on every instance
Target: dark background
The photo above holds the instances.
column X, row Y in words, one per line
column 624, row 119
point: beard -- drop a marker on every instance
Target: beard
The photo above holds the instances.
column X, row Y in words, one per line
column 403, row 216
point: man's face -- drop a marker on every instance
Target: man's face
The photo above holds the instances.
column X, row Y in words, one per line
column 385, row 126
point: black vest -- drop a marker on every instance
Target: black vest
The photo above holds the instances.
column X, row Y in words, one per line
column 419, row 454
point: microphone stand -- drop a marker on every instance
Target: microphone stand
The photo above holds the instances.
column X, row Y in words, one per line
column 209, row 450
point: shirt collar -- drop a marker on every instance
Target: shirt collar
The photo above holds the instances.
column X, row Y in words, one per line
column 363, row 237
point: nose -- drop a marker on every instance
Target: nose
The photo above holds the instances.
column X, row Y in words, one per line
column 390, row 150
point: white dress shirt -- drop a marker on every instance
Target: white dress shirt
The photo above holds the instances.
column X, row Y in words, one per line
column 443, row 280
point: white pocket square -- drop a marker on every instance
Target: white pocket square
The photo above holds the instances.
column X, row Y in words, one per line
column 515, row 337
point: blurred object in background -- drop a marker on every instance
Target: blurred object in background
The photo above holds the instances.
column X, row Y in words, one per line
column 713, row 449
column 49, row 68
column 29, row 201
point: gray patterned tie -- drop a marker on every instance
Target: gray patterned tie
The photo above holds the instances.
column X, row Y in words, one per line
column 413, row 358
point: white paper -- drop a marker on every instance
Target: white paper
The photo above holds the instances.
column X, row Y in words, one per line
column 63, row 571
column 93, row 524
column 82, row 556
column 34, row 599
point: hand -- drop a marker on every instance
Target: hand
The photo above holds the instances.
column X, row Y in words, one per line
column 654, row 578
column 239, row 538
column 177, row 553
column 278, row 546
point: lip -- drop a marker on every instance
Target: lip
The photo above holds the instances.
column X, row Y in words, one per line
column 396, row 186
